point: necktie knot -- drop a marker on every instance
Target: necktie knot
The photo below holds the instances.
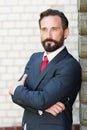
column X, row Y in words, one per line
column 44, row 63
column 45, row 59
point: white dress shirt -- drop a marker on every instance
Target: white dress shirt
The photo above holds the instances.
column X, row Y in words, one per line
column 54, row 53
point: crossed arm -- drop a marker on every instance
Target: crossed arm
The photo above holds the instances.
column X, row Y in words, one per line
column 54, row 110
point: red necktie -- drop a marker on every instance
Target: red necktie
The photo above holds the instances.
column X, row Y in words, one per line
column 44, row 63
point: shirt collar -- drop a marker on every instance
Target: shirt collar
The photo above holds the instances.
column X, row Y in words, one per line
column 53, row 54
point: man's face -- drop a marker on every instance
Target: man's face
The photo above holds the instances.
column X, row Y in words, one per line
column 52, row 34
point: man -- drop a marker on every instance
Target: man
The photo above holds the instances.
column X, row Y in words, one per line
column 47, row 94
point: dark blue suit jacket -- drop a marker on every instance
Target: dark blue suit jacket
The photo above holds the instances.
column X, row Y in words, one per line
column 60, row 81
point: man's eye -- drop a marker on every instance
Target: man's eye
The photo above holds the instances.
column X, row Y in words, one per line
column 43, row 29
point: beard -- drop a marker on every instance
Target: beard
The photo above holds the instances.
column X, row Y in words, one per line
column 50, row 48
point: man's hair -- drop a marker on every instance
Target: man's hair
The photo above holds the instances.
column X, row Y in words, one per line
column 51, row 12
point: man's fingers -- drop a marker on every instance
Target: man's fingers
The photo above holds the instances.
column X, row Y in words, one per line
column 23, row 79
column 56, row 108
column 61, row 105
column 51, row 111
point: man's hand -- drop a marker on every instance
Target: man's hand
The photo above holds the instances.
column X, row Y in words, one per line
column 21, row 82
column 56, row 109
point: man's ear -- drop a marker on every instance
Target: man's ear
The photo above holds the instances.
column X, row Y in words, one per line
column 66, row 33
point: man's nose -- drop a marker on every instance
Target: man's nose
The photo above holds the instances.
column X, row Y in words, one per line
column 49, row 34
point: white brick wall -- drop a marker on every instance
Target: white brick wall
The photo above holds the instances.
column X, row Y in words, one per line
column 19, row 38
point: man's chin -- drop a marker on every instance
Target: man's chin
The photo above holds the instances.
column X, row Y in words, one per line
column 50, row 49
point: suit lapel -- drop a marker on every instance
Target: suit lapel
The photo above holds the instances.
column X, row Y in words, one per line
column 52, row 64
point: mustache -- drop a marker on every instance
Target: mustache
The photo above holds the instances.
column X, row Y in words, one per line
column 49, row 40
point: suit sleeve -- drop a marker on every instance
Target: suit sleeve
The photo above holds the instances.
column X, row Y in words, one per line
column 56, row 89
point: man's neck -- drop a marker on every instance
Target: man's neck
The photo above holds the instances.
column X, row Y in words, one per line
column 54, row 53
